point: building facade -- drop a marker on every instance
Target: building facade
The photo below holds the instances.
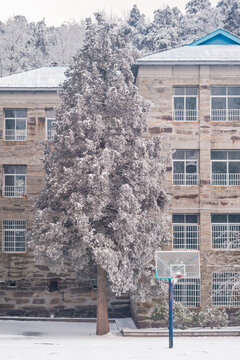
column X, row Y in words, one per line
column 27, row 102
column 195, row 91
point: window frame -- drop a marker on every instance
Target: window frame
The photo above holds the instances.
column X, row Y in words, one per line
column 15, row 229
column 220, row 303
column 226, row 96
column 227, row 160
column 14, row 176
column 46, row 124
column 227, row 224
column 15, row 118
column 184, row 109
column 186, row 224
column 185, row 159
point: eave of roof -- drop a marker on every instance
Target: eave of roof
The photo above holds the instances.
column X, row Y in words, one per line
column 37, row 80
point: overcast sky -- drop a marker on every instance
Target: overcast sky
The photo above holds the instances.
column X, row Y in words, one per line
column 56, row 12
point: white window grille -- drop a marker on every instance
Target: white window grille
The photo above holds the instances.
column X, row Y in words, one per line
column 225, row 165
column 185, row 103
column 226, row 289
column 50, row 128
column 185, row 230
column 185, row 167
column 187, row 292
column 14, row 235
column 14, row 181
column 225, row 103
column 15, row 121
column 226, row 231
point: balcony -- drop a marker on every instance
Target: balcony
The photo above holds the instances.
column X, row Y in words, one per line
column 185, row 115
column 15, row 135
column 14, row 191
column 185, row 179
column 225, row 115
column 226, row 236
column 226, row 179
column 186, row 236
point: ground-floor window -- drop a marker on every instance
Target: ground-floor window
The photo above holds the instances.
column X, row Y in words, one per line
column 187, row 292
column 226, row 289
column 14, row 235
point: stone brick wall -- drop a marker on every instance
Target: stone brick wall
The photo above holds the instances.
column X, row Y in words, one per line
column 24, row 287
column 156, row 84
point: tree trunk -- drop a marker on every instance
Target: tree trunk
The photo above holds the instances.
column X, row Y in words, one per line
column 102, row 306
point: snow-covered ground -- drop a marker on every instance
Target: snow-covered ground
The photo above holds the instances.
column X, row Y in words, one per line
column 39, row 340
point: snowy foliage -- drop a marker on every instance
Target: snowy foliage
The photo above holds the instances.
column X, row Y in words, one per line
column 183, row 317
column 104, row 200
column 212, row 317
column 25, row 46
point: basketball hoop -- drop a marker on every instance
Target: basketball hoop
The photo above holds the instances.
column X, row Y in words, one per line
column 177, row 277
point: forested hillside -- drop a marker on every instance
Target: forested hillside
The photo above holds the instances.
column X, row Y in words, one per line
column 27, row 45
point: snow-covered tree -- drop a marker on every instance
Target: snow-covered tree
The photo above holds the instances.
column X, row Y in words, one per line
column 163, row 32
column 232, row 17
column 67, row 40
column 200, row 19
column 138, row 25
column 104, row 200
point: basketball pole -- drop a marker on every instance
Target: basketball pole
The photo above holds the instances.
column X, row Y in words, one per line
column 170, row 314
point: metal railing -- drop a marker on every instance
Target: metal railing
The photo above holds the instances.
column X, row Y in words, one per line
column 185, row 179
column 186, row 236
column 14, row 191
column 226, row 289
column 226, row 179
column 13, row 134
column 226, row 236
column 50, row 134
column 185, row 115
column 225, row 115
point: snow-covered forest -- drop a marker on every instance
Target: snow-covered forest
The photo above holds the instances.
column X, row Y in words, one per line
column 27, row 45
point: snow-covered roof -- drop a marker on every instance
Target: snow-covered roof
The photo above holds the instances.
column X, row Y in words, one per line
column 42, row 79
column 219, row 47
column 199, row 55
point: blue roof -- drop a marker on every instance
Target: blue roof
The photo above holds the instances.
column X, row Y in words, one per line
column 218, row 37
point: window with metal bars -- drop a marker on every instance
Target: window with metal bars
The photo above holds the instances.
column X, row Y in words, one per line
column 187, row 292
column 225, row 103
column 225, row 166
column 185, row 230
column 14, row 182
column 50, row 128
column 226, row 289
column 225, row 231
column 15, row 121
column 185, row 167
column 185, row 103
column 14, row 235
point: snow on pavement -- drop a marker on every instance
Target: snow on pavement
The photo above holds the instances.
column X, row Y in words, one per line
column 41, row 340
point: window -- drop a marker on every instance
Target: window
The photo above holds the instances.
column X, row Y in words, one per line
column 187, row 292
column 185, row 167
column 225, row 167
column 50, row 129
column 226, row 289
column 15, row 124
column 14, row 235
column 185, row 230
column 185, row 103
column 226, row 231
column 225, row 103
column 14, row 180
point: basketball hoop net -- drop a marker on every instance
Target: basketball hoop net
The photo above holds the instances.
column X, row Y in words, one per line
column 177, row 277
